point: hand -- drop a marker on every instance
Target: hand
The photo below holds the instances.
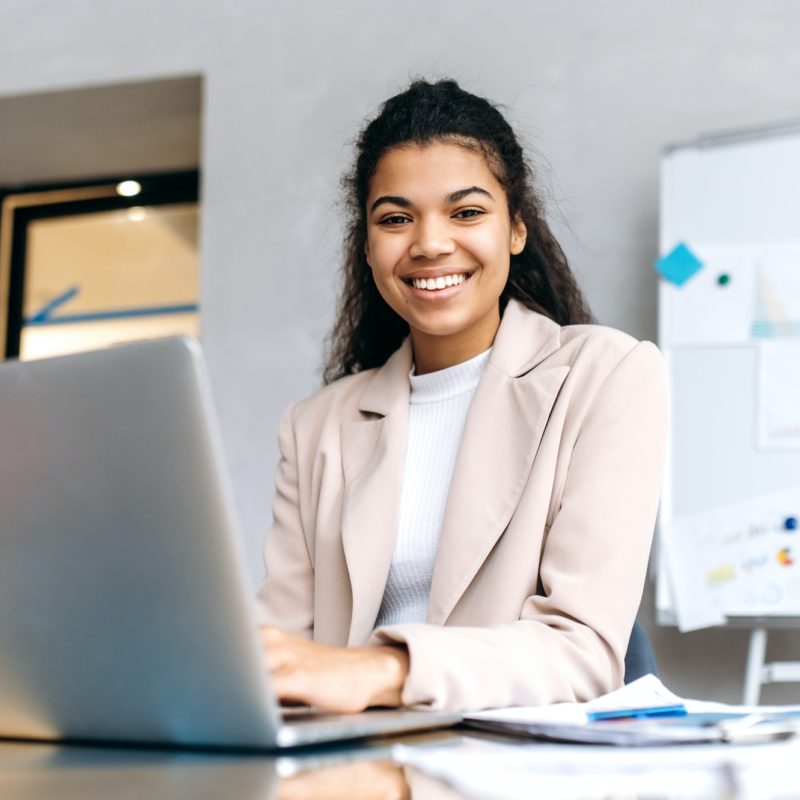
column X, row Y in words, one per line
column 339, row 679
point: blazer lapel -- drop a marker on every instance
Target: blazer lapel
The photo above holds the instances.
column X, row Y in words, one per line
column 373, row 452
column 503, row 429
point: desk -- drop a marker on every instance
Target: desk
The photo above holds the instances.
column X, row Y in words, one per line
column 30, row 771
column 504, row 770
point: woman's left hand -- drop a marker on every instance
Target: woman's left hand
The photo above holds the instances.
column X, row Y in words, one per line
column 338, row 679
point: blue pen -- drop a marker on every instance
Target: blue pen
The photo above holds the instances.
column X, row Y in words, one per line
column 677, row 710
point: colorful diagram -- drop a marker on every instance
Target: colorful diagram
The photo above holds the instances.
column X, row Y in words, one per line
column 776, row 312
column 736, row 561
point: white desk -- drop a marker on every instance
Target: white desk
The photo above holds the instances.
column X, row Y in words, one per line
column 481, row 767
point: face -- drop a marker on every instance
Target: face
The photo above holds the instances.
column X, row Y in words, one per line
column 439, row 242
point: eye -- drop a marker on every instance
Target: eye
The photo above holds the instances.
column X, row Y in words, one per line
column 394, row 219
column 468, row 213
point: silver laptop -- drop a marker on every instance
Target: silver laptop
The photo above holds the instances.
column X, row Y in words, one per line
column 125, row 610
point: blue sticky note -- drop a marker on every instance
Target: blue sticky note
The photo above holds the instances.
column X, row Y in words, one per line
column 678, row 265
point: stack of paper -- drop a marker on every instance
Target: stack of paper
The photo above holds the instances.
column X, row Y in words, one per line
column 521, row 768
column 643, row 713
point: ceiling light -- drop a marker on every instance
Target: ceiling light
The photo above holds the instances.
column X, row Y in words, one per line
column 129, row 188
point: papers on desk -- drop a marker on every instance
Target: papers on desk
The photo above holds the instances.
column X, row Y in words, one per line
column 521, row 770
column 645, row 713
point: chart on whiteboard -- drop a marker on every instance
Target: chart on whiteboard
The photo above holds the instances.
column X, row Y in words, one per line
column 740, row 560
column 740, row 295
column 777, row 295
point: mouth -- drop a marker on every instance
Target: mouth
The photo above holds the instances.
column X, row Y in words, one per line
column 438, row 283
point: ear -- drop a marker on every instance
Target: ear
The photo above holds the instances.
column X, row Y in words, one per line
column 519, row 235
column 366, row 254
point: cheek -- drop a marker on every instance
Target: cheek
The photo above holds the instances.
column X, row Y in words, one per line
column 493, row 249
column 382, row 258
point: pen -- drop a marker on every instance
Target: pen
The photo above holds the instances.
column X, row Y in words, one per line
column 676, row 710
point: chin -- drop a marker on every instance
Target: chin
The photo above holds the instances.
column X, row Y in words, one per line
column 441, row 323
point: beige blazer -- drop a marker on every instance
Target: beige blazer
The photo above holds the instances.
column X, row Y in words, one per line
column 547, row 529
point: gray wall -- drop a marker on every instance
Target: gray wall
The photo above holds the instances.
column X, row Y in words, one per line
column 598, row 89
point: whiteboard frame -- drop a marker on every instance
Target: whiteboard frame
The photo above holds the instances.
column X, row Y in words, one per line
column 669, row 237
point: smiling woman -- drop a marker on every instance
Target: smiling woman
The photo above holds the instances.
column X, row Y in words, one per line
column 463, row 515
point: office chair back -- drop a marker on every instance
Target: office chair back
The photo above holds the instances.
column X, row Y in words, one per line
column 639, row 659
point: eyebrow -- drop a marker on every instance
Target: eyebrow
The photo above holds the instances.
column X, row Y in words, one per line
column 453, row 197
column 395, row 200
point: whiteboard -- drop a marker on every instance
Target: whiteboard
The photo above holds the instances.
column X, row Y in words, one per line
column 731, row 339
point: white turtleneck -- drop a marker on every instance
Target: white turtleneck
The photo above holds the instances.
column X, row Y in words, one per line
column 437, row 410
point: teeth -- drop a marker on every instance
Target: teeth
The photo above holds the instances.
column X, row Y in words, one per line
column 442, row 282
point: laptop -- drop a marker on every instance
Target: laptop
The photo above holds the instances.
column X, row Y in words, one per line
column 127, row 615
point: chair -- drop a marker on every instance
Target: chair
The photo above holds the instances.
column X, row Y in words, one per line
column 639, row 659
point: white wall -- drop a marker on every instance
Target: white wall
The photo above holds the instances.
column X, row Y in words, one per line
column 597, row 88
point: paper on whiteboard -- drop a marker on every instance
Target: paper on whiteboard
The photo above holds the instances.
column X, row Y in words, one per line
column 703, row 311
column 742, row 295
column 693, row 601
column 779, row 396
column 740, row 560
column 776, row 312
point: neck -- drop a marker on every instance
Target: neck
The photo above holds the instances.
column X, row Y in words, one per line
column 434, row 352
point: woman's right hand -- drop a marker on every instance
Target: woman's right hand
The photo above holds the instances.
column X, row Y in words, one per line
column 338, row 679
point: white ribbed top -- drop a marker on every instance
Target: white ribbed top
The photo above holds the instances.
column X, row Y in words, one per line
column 437, row 410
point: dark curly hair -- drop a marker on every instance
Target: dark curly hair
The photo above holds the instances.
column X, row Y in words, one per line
column 367, row 331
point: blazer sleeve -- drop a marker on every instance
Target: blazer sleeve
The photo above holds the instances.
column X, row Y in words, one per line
column 569, row 642
column 286, row 598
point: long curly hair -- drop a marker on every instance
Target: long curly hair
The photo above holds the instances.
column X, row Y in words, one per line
column 367, row 331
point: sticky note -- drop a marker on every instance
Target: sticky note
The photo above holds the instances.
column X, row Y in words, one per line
column 678, row 265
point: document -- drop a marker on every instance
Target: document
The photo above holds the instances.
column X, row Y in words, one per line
column 716, row 305
column 647, row 691
column 519, row 770
column 738, row 560
column 524, row 768
column 743, row 295
column 643, row 713
column 779, row 396
column 777, row 294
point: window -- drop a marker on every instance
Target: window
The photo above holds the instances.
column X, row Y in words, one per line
column 93, row 264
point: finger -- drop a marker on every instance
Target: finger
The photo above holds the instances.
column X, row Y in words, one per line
column 276, row 662
column 290, row 686
column 277, row 652
column 271, row 635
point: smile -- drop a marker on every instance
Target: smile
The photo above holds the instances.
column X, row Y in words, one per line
column 438, row 283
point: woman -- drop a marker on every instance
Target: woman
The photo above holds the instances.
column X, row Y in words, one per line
column 464, row 513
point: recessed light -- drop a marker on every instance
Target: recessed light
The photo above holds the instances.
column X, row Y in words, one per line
column 129, row 188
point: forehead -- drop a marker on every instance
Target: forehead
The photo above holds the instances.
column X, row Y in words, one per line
column 417, row 172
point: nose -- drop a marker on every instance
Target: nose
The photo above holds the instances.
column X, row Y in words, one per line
column 432, row 240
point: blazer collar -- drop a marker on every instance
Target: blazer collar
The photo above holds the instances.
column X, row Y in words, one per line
column 523, row 340
column 389, row 387
column 503, row 429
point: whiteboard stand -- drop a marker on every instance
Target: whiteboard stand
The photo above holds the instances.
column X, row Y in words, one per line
column 754, row 675
column 758, row 673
